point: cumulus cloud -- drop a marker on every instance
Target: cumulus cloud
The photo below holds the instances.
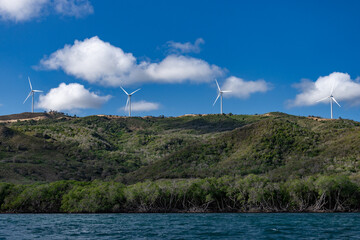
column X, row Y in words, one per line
column 93, row 60
column 187, row 47
column 142, row 106
column 70, row 97
column 180, row 68
column 99, row 62
column 243, row 89
column 23, row 10
column 344, row 89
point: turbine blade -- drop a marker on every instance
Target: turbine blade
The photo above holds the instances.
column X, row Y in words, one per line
column 30, row 83
column 332, row 87
column 27, row 97
column 134, row 91
column 37, row 91
column 216, row 99
column 335, row 101
column 124, row 90
column 127, row 104
column 322, row 99
column 217, row 85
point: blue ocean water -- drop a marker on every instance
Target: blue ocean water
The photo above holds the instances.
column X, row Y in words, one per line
column 181, row 226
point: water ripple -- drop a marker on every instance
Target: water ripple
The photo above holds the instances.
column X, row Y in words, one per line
column 180, row 226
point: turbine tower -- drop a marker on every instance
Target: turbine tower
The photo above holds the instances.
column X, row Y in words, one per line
column 220, row 94
column 32, row 92
column 128, row 102
column 332, row 99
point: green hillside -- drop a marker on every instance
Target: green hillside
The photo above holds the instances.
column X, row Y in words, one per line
column 50, row 162
column 129, row 150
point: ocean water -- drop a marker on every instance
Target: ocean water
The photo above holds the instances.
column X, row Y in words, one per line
column 181, row 226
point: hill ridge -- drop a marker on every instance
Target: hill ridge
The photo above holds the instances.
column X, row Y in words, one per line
column 134, row 149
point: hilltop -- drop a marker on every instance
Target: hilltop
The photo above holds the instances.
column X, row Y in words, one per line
column 50, row 147
column 27, row 116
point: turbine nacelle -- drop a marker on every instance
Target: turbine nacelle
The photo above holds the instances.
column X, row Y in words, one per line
column 329, row 97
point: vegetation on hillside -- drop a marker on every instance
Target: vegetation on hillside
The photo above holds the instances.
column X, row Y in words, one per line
column 271, row 162
column 129, row 150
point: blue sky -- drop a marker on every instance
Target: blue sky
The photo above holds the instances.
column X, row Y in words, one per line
column 261, row 50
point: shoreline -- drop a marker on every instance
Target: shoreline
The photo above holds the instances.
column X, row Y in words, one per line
column 185, row 212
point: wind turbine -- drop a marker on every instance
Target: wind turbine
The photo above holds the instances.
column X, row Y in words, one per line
column 32, row 92
column 332, row 99
column 128, row 102
column 220, row 94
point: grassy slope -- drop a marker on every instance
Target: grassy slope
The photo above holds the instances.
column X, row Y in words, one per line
column 134, row 149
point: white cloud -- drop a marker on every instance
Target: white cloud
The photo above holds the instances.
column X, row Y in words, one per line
column 70, row 97
column 23, row 10
column 77, row 8
column 93, row 60
column 142, row 106
column 186, row 47
column 99, row 62
column 243, row 89
column 345, row 89
column 176, row 69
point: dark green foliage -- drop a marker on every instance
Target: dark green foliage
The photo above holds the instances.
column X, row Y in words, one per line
column 35, row 198
column 94, row 197
column 4, row 191
column 226, row 194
